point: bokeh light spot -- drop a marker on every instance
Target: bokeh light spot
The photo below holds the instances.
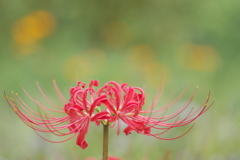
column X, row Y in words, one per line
column 143, row 59
column 140, row 54
column 90, row 63
column 199, row 57
column 116, row 34
column 29, row 30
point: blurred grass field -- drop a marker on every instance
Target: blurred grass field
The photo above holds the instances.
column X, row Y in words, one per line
column 138, row 42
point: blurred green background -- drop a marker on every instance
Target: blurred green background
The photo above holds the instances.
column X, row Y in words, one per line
column 138, row 42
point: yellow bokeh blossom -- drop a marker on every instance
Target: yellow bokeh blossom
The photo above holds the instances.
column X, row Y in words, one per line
column 116, row 34
column 142, row 59
column 86, row 64
column 199, row 57
column 32, row 28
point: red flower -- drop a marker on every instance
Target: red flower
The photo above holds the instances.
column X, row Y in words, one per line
column 110, row 105
column 79, row 111
column 125, row 103
column 113, row 158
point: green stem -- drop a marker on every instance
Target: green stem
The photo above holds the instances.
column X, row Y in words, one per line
column 105, row 142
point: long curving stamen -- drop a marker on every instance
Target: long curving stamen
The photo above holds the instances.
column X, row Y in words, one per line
column 59, row 92
column 48, row 100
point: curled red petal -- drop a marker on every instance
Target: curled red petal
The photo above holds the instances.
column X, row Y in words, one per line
column 103, row 115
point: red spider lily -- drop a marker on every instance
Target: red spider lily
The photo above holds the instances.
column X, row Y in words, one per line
column 110, row 105
column 125, row 103
column 79, row 111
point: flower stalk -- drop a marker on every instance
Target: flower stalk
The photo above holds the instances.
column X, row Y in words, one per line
column 105, row 142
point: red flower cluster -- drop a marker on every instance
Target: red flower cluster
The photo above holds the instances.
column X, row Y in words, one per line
column 110, row 105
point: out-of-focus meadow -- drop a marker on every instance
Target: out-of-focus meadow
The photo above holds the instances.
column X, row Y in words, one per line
column 137, row 42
